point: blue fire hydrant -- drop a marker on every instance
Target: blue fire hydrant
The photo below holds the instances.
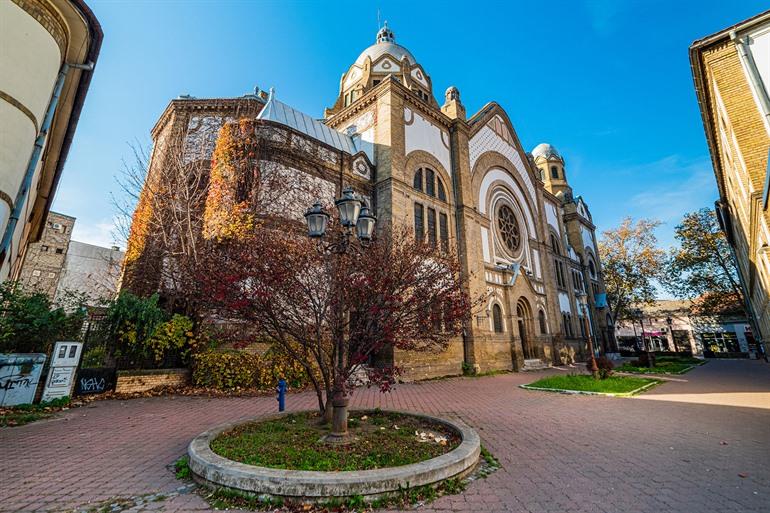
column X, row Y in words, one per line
column 282, row 387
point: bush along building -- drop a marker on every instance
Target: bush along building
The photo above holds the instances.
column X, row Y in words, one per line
column 525, row 240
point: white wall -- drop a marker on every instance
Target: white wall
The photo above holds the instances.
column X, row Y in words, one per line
column 29, row 63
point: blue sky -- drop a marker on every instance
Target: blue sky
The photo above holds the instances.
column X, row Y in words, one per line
column 606, row 82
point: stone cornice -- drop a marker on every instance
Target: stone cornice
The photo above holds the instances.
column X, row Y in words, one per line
column 200, row 104
column 574, row 215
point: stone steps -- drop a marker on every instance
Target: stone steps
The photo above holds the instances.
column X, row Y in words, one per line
column 534, row 364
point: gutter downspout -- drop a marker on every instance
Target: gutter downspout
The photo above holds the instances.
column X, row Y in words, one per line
column 34, row 159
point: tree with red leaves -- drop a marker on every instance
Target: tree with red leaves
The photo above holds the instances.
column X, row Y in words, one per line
column 334, row 311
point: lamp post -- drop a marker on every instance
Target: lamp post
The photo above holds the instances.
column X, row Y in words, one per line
column 357, row 223
column 640, row 315
column 582, row 298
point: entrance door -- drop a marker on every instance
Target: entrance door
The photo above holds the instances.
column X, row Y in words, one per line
column 522, row 320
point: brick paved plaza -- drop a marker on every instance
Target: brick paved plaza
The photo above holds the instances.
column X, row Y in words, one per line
column 664, row 452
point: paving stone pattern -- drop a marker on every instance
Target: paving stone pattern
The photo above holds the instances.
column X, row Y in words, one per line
column 559, row 453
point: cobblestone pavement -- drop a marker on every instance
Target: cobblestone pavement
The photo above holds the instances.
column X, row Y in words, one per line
column 558, row 453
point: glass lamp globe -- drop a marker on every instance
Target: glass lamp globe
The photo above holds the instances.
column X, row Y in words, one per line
column 349, row 206
column 365, row 224
column 317, row 220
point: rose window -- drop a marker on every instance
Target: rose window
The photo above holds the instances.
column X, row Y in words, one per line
column 508, row 227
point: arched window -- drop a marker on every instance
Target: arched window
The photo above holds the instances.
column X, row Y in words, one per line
column 419, row 222
column 541, row 320
column 430, row 182
column 555, row 244
column 417, row 184
column 441, row 191
column 554, row 172
column 592, row 269
column 497, row 318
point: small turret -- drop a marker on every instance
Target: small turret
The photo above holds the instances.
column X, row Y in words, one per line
column 453, row 107
column 550, row 165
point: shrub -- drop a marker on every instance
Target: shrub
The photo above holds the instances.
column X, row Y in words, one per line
column 225, row 369
column 144, row 335
column 94, row 357
column 605, row 367
column 240, row 369
column 175, row 335
column 29, row 323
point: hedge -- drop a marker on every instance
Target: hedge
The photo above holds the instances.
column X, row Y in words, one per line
column 239, row 369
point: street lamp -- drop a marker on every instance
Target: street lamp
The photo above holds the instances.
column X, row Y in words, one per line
column 582, row 298
column 355, row 216
column 670, row 323
column 317, row 220
column 637, row 313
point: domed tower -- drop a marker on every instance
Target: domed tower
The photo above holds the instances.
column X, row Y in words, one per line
column 551, row 168
column 385, row 57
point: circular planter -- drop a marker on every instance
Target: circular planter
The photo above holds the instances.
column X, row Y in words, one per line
column 213, row 470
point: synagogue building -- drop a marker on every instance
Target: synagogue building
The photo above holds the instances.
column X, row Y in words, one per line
column 525, row 239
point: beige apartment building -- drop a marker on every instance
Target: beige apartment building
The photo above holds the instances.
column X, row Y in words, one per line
column 48, row 50
column 731, row 70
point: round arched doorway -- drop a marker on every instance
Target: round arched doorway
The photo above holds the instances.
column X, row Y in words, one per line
column 524, row 320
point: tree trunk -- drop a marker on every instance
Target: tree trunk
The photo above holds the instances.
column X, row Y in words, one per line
column 339, row 431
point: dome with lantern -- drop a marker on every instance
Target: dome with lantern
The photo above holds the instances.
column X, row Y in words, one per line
column 384, row 59
column 546, row 151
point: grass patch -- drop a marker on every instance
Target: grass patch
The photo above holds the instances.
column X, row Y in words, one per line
column 25, row 413
column 585, row 383
column 182, row 468
column 663, row 365
column 379, row 439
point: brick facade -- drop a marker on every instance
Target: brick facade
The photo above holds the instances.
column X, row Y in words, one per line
column 738, row 133
column 44, row 260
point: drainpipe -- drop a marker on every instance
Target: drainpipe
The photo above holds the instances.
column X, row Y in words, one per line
column 37, row 151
